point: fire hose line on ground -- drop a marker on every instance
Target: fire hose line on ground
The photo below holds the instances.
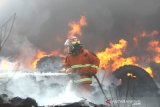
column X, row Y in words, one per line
column 100, row 86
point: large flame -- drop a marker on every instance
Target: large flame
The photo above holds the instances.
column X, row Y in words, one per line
column 112, row 58
column 75, row 29
column 76, row 26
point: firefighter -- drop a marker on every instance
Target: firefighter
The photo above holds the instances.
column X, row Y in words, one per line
column 82, row 62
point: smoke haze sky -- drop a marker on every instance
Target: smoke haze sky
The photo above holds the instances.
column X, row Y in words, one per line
column 43, row 22
column 43, row 25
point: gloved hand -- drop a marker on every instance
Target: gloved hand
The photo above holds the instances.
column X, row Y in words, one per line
column 62, row 70
column 69, row 70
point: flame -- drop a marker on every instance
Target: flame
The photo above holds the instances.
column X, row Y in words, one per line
column 112, row 58
column 124, row 61
column 6, row 65
column 150, row 72
column 136, row 40
column 154, row 46
column 154, row 33
column 76, row 26
column 131, row 75
column 142, row 35
column 153, row 43
column 40, row 54
column 157, row 59
column 75, row 29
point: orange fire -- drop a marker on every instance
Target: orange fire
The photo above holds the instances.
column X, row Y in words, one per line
column 154, row 46
column 75, row 29
column 154, row 33
column 40, row 54
column 6, row 65
column 131, row 75
column 76, row 26
column 150, row 72
column 112, row 58
column 136, row 40
column 142, row 35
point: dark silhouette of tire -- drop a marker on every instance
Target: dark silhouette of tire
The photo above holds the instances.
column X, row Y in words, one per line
column 142, row 76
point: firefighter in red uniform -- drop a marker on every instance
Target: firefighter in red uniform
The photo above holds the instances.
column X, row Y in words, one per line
column 82, row 62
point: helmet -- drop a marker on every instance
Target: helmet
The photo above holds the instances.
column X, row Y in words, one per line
column 73, row 40
column 73, row 45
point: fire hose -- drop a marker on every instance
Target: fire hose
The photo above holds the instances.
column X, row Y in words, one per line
column 100, row 86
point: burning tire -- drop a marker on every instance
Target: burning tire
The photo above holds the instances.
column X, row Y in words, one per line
column 49, row 64
column 139, row 84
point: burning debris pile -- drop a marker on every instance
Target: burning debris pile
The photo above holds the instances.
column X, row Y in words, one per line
column 49, row 64
column 42, row 59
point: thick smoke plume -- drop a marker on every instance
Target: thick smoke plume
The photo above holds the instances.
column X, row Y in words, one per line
column 44, row 22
